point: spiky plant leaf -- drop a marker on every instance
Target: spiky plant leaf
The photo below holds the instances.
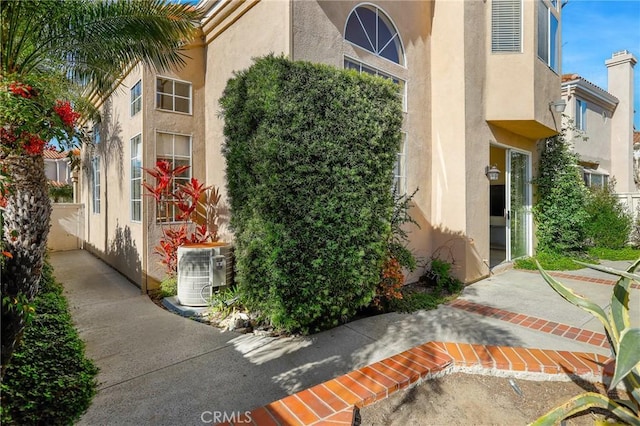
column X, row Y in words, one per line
column 577, row 300
column 583, row 402
column 628, row 355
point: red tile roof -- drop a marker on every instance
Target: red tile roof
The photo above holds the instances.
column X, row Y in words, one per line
column 52, row 154
column 572, row 77
column 636, row 137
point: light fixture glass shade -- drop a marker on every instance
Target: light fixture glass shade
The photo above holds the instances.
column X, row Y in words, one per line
column 493, row 173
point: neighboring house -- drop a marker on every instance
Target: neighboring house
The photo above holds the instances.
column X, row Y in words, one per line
column 605, row 118
column 56, row 167
column 477, row 80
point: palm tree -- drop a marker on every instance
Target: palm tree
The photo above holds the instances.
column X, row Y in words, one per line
column 88, row 45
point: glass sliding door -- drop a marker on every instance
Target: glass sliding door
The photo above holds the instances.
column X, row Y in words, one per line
column 519, row 204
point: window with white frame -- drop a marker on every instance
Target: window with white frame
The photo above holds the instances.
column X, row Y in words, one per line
column 176, row 149
column 173, row 95
column 95, row 133
column 581, row 114
column 400, row 168
column 95, row 163
column 370, row 28
column 136, row 98
column 506, row 26
column 548, row 35
column 136, row 178
column 595, row 178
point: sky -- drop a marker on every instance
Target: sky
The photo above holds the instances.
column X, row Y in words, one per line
column 592, row 30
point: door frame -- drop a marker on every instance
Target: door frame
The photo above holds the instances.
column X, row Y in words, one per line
column 528, row 202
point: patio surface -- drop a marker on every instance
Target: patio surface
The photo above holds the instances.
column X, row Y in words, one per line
column 159, row 368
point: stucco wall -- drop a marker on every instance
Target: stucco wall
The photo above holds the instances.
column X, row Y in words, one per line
column 67, row 227
column 252, row 30
column 110, row 234
column 156, row 120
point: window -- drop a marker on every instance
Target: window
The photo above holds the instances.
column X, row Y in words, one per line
column 506, row 26
column 136, row 98
column 96, row 134
column 172, row 95
column 95, row 163
column 176, row 149
column 595, row 178
column 548, row 36
column 581, row 114
column 136, row 179
column 352, row 64
column 369, row 28
column 400, row 168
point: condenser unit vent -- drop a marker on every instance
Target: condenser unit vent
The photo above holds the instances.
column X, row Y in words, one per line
column 203, row 269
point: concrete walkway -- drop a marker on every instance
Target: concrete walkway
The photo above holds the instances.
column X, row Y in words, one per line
column 159, row 368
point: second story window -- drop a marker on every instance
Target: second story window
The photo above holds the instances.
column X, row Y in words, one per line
column 95, row 133
column 173, row 95
column 506, row 26
column 548, row 35
column 581, row 114
column 369, row 27
column 136, row 98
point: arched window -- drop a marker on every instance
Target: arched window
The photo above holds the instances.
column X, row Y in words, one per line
column 369, row 28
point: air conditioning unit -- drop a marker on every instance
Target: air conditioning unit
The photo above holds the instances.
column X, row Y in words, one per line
column 202, row 270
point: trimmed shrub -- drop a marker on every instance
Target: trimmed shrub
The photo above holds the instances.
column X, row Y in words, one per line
column 49, row 380
column 609, row 224
column 310, row 151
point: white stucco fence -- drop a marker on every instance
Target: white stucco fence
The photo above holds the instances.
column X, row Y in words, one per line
column 67, row 227
column 631, row 200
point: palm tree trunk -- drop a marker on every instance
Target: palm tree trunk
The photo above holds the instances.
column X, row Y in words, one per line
column 25, row 230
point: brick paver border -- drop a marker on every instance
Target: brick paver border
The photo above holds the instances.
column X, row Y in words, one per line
column 577, row 277
column 334, row 401
column 534, row 323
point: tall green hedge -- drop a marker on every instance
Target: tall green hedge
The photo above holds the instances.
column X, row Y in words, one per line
column 49, row 380
column 310, row 151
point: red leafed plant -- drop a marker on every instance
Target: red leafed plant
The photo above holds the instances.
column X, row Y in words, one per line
column 197, row 207
column 391, row 282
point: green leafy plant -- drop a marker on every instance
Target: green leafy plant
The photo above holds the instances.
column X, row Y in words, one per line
column 49, row 381
column 169, row 286
column 225, row 301
column 399, row 256
column 624, row 340
column 310, row 151
column 552, row 261
column 60, row 193
column 559, row 212
column 625, row 253
column 411, row 302
column 438, row 276
column 609, row 224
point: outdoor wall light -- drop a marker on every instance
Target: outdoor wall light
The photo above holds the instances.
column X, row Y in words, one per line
column 558, row 106
column 493, row 173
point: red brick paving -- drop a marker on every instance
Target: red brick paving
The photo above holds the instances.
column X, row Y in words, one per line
column 333, row 402
column 534, row 323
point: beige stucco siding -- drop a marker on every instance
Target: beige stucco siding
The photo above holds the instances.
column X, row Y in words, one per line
column 158, row 120
column 252, row 30
column 111, row 234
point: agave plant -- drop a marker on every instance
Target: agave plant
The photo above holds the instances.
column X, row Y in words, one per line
column 625, row 346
